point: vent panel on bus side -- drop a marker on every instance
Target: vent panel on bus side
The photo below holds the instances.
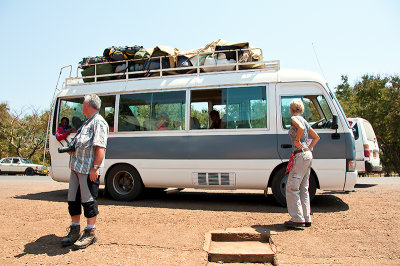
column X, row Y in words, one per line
column 214, row 179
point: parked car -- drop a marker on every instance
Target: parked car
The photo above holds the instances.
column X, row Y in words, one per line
column 18, row 165
column 368, row 157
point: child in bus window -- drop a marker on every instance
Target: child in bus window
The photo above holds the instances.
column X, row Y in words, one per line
column 64, row 129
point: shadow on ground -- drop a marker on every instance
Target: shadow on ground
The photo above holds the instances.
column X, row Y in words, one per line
column 207, row 201
column 364, row 185
column 266, row 229
column 49, row 245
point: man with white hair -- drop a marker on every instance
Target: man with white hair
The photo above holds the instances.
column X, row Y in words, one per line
column 86, row 166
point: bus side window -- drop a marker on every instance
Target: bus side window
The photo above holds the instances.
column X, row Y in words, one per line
column 143, row 111
column 238, row 107
column 107, row 110
column 72, row 109
column 316, row 111
column 285, row 109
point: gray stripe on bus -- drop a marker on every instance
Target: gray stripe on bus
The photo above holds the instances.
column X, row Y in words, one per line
column 264, row 146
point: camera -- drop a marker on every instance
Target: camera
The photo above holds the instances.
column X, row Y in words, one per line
column 69, row 148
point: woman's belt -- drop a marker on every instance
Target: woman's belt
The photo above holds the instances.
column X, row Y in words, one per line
column 302, row 150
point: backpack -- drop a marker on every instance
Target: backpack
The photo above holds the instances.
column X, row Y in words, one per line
column 141, row 55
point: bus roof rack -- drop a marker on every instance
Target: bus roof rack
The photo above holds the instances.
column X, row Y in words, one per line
column 197, row 63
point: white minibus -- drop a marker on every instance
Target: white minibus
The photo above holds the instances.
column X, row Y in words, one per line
column 160, row 135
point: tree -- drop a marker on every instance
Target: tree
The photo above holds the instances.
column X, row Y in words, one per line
column 4, row 121
column 376, row 99
column 23, row 135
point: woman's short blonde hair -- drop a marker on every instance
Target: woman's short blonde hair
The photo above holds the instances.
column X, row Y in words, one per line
column 297, row 106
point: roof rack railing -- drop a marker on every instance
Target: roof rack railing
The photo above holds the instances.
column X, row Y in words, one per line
column 240, row 63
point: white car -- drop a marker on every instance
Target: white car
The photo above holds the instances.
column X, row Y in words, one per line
column 18, row 165
column 368, row 157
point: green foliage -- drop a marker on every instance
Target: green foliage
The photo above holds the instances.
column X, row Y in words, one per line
column 22, row 135
column 376, row 99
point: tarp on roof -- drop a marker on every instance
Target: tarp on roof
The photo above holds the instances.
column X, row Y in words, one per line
column 253, row 55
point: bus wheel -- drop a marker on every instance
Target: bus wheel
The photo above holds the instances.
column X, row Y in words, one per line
column 124, row 183
column 279, row 186
column 29, row 171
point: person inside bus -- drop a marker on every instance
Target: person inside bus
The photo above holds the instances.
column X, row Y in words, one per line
column 127, row 121
column 64, row 129
column 194, row 123
column 163, row 121
column 299, row 167
column 215, row 120
column 110, row 121
column 76, row 122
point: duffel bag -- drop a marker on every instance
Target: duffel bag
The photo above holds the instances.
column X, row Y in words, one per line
column 115, row 53
column 91, row 60
column 106, row 52
column 120, row 69
column 154, row 64
column 232, row 54
column 141, row 55
column 118, row 54
column 136, row 67
column 130, row 51
column 183, row 61
column 102, row 69
column 218, row 63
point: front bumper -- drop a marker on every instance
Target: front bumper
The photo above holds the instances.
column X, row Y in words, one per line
column 351, row 181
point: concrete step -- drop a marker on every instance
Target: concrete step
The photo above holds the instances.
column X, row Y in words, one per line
column 240, row 251
column 239, row 236
column 239, row 245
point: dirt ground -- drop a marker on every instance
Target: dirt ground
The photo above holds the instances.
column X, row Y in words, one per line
column 361, row 227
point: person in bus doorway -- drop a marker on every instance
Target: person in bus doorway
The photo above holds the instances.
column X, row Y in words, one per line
column 86, row 164
column 297, row 196
column 215, row 120
column 64, row 129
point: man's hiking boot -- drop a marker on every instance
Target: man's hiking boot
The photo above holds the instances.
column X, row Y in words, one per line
column 72, row 236
column 88, row 237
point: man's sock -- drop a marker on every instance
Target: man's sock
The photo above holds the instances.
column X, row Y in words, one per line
column 75, row 224
column 90, row 226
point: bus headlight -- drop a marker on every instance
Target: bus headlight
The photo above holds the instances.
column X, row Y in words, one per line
column 351, row 165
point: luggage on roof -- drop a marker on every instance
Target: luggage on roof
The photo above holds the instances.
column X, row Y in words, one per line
column 101, row 69
column 136, row 61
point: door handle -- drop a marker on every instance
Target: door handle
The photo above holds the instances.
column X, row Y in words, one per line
column 286, row 146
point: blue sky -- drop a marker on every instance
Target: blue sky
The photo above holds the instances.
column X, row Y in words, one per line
column 40, row 37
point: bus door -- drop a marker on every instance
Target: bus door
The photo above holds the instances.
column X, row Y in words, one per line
column 330, row 152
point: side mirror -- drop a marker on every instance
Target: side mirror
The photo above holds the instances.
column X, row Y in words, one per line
column 335, row 126
column 335, row 122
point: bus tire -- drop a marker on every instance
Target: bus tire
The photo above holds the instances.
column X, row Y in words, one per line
column 29, row 171
column 278, row 186
column 124, row 183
